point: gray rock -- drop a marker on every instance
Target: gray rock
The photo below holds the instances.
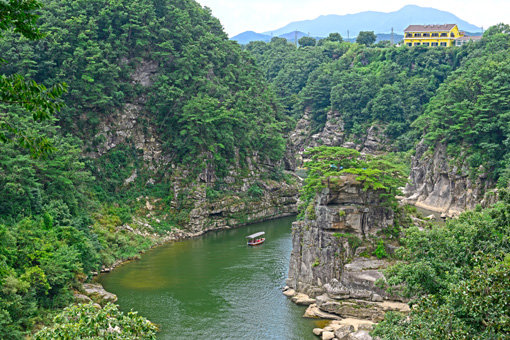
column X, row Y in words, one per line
column 97, row 292
column 438, row 186
column 289, row 292
column 302, row 299
column 317, row 331
column 360, row 335
column 377, row 298
column 342, row 333
column 328, row 335
column 315, row 243
column 82, row 298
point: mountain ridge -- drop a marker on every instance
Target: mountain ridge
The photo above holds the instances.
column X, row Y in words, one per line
column 379, row 22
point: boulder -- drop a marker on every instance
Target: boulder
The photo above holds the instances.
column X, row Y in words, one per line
column 98, row 293
column 302, row 299
column 360, row 335
column 82, row 298
column 343, row 331
column 313, row 312
column 328, row 335
column 317, row 331
column 289, row 292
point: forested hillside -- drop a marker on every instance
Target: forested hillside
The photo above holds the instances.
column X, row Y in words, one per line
column 122, row 121
column 425, row 100
column 164, row 74
column 457, row 96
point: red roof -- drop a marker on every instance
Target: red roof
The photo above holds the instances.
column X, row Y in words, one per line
column 429, row 28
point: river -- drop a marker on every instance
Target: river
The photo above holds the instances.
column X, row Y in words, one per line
column 215, row 287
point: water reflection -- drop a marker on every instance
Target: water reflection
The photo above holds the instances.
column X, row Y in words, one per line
column 215, row 287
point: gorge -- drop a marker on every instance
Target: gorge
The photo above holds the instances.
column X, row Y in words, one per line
column 128, row 124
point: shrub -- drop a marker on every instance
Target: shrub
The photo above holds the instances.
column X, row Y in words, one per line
column 89, row 321
column 255, row 191
column 380, row 251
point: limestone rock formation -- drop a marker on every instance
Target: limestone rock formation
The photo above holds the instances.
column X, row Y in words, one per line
column 438, row 185
column 97, row 293
column 330, row 260
column 332, row 134
column 319, row 256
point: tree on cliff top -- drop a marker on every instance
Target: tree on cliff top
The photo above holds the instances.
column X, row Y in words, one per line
column 386, row 172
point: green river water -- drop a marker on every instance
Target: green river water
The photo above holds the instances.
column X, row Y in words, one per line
column 215, row 287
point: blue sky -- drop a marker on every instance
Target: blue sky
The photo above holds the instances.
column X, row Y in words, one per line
column 265, row 15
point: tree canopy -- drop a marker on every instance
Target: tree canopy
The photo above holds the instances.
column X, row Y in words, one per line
column 366, row 38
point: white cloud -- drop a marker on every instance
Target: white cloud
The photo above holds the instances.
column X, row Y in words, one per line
column 243, row 15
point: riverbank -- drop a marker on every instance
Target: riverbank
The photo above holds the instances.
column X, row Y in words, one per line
column 215, row 286
column 176, row 235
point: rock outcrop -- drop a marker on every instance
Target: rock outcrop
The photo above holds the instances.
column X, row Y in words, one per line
column 331, row 258
column 276, row 199
column 333, row 134
column 320, row 248
column 96, row 292
column 439, row 185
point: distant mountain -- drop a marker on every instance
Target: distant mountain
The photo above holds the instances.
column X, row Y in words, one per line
column 291, row 36
column 246, row 37
column 378, row 22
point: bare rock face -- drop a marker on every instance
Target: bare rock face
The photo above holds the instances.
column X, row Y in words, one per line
column 332, row 134
column 278, row 199
column 126, row 126
column 319, row 256
column 326, row 265
column 437, row 185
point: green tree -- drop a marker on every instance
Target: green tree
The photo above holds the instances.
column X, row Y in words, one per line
column 335, row 37
column 15, row 90
column 307, row 41
column 91, row 322
column 366, row 38
column 457, row 276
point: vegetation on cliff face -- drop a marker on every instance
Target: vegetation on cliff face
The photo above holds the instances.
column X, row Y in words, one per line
column 386, row 172
column 204, row 96
column 470, row 112
column 458, row 275
column 457, row 96
column 60, row 216
column 367, row 85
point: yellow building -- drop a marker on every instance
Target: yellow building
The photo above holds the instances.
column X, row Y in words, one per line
column 432, row 35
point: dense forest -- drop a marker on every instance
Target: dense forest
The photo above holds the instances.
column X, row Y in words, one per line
column 406, row 91
column 62, row 212
column 455, row 275
column 67, row 68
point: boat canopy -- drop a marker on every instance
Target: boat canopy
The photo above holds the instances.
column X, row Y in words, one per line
column 260, row 233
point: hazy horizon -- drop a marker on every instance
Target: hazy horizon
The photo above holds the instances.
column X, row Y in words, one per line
column 238, row 16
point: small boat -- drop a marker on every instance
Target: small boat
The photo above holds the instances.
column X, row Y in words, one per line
column 256, row 239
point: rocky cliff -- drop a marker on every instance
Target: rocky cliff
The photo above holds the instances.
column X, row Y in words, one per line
column 248, row 195
column 333, row 134
column 331, row 262
column 436, row 183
